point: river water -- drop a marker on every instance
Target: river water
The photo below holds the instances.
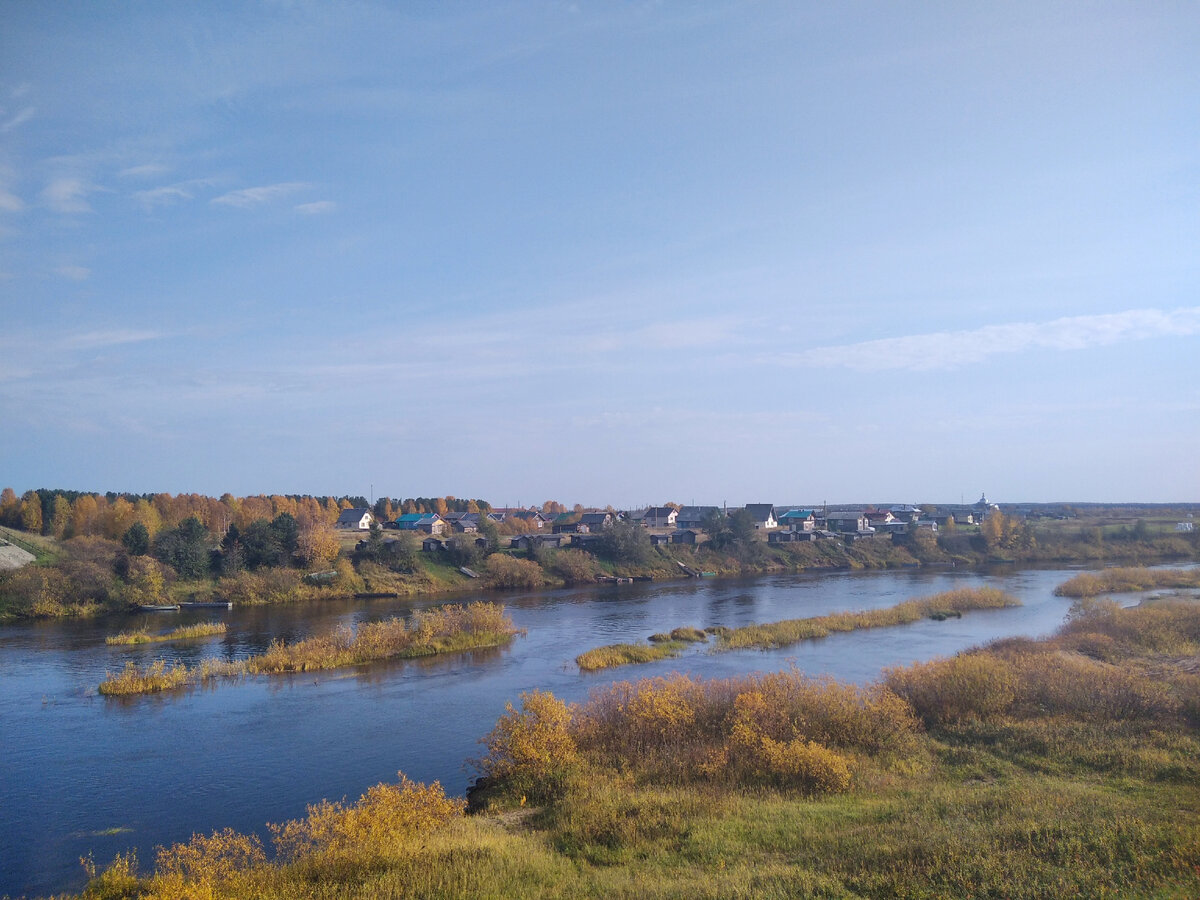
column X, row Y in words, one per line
column 81, row 773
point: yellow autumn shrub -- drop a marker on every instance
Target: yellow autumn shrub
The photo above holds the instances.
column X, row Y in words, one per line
column 532, row 749
column 381, row 825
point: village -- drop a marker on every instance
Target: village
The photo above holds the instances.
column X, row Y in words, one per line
column 529, row 529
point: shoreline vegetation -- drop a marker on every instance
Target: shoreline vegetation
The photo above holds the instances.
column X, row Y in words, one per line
column 1064, row 766
column 448, row 629
column 182, row 633
column 1127, row 580
column 773, row 635
column 109, row 554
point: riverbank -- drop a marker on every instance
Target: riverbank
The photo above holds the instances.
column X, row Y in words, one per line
column 92, row 576
column 1061, row 767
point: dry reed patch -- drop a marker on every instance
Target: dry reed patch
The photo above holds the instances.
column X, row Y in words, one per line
column 614, row 655
column 791, row 631
column 443, row 630
column 182, row 633
column 134, row 680
column 781, row 728
column 1126, row 580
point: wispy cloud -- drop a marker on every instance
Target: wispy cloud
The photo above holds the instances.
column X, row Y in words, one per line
column 17, row 120
column 10, row 202
column 259, row 196
column 89, row 340
column 170, row 194
column 312, row 209
column 951, row 349
column 147, row 170
column 75, row 273
column 67, row 195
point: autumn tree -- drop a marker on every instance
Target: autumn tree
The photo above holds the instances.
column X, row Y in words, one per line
column 61, row 520
column 317, row 543
column 85, row 512
column 31, row 512
column 10, row 508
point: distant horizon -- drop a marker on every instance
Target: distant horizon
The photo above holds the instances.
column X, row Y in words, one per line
column 569, row 503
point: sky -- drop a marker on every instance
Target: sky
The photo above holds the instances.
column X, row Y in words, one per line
column 602, row 252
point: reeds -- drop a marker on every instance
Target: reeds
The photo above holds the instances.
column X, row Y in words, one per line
column 939, row 606
column 1127, row 580
column 182, row 633
column 444, row 630
column 615, row 655
column 134, row 680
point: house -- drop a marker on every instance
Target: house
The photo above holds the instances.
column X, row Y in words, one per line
column 430, row 523
column 532, row 516
column 462, row 523
column 657, row 540
column 877, row 518
column 788, row 537
column 357, row 519
column 963, row 515
column 534, row 541
column 587, row 541
column 695, row 516
column 763, row 515
column 433, row 545
column 596, row 521
column 568, row 523
column 685, row 536
column 799, row 519
column 906, row 512
column 660, row 517
column 847, row 521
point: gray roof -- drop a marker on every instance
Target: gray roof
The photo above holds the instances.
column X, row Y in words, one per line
column 761, row 511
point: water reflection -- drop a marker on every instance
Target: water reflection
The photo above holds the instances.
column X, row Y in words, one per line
column 244, row 752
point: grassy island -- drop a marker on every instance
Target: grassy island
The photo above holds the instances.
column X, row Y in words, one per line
column 1125, row 580
column 182, row 633
column 772, row 635
column 448, row 629
column 1061, row 767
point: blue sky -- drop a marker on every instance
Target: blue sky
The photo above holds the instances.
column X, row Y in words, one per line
column 602, row 252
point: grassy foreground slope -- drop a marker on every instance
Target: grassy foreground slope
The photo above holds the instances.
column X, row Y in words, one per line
column 1068, row 767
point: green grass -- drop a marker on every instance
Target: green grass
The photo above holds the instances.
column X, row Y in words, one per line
column 45, row 550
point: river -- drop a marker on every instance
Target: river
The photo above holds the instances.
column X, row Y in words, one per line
column 81, row 773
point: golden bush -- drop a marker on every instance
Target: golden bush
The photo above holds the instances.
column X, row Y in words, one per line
column 532, row 749
column 381, row 825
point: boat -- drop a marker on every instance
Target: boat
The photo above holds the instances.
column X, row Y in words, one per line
column 208, row 604
column 165, row 607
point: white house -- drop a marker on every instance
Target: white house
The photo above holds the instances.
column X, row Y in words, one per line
column 357, row 519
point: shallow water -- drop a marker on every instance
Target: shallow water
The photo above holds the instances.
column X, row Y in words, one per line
column 81, row 773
